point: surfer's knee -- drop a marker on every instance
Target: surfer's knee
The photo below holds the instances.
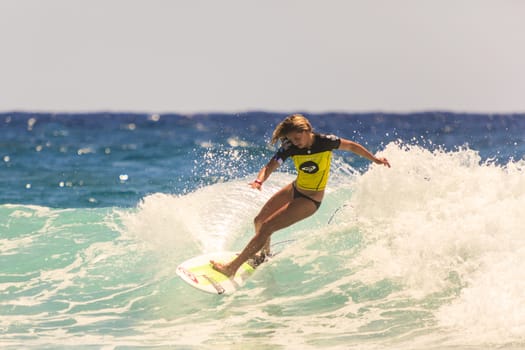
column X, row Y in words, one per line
column 265, row 230
column 258, row 221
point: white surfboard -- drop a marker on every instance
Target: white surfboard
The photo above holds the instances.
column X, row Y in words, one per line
column 198, row 273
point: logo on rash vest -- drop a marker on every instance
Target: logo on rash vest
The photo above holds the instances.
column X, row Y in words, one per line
column 309, row 167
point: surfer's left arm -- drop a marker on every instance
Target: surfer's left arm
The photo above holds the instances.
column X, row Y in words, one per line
column 264, row 173
column 347, row 145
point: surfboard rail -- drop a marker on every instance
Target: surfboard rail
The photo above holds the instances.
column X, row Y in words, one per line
column 199, row 273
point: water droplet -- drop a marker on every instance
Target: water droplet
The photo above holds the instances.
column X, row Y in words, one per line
column 154, row 117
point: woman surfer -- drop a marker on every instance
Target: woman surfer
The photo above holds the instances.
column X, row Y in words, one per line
column 312, row 154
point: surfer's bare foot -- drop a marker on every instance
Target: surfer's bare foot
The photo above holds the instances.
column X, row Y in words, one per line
column 222, row 268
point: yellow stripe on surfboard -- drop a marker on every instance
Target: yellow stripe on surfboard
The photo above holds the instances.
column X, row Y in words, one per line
column 218, row 277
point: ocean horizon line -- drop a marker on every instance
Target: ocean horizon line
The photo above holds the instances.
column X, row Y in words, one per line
column 371, row 112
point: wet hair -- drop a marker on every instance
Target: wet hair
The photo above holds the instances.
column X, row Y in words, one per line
column 294, row 122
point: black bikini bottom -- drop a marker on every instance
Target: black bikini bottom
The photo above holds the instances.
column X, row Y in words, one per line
column 297, row 194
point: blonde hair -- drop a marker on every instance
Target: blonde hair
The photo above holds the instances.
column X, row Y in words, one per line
column 294, row 122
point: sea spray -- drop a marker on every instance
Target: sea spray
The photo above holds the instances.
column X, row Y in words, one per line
column 449, row 223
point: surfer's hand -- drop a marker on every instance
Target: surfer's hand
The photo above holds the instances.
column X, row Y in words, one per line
column 383, row 161
column 256, row 185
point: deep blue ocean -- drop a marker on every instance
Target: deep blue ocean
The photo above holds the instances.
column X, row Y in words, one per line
column 98, row 209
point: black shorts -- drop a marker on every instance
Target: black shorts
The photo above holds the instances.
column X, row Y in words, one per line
column 297, row 194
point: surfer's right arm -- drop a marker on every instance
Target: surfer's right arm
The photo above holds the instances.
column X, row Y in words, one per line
column 264, row 173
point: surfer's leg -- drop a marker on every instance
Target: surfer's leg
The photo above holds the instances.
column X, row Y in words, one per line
column 290, row 213
column 266, row 249
column 277, row 201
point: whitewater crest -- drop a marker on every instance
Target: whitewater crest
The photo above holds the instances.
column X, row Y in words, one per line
column 447, row 222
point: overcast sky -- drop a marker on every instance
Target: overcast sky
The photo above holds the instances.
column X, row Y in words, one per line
column 275, row 55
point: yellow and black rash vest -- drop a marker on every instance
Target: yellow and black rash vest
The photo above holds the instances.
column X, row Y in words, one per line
column 312, row 164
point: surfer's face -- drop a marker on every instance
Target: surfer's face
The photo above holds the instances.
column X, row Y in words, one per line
column 300, row 139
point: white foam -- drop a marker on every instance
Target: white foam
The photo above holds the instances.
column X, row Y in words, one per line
column 202, row 221
column 440, row 220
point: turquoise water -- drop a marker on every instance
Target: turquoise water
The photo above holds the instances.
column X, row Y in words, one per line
column 426, row 255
